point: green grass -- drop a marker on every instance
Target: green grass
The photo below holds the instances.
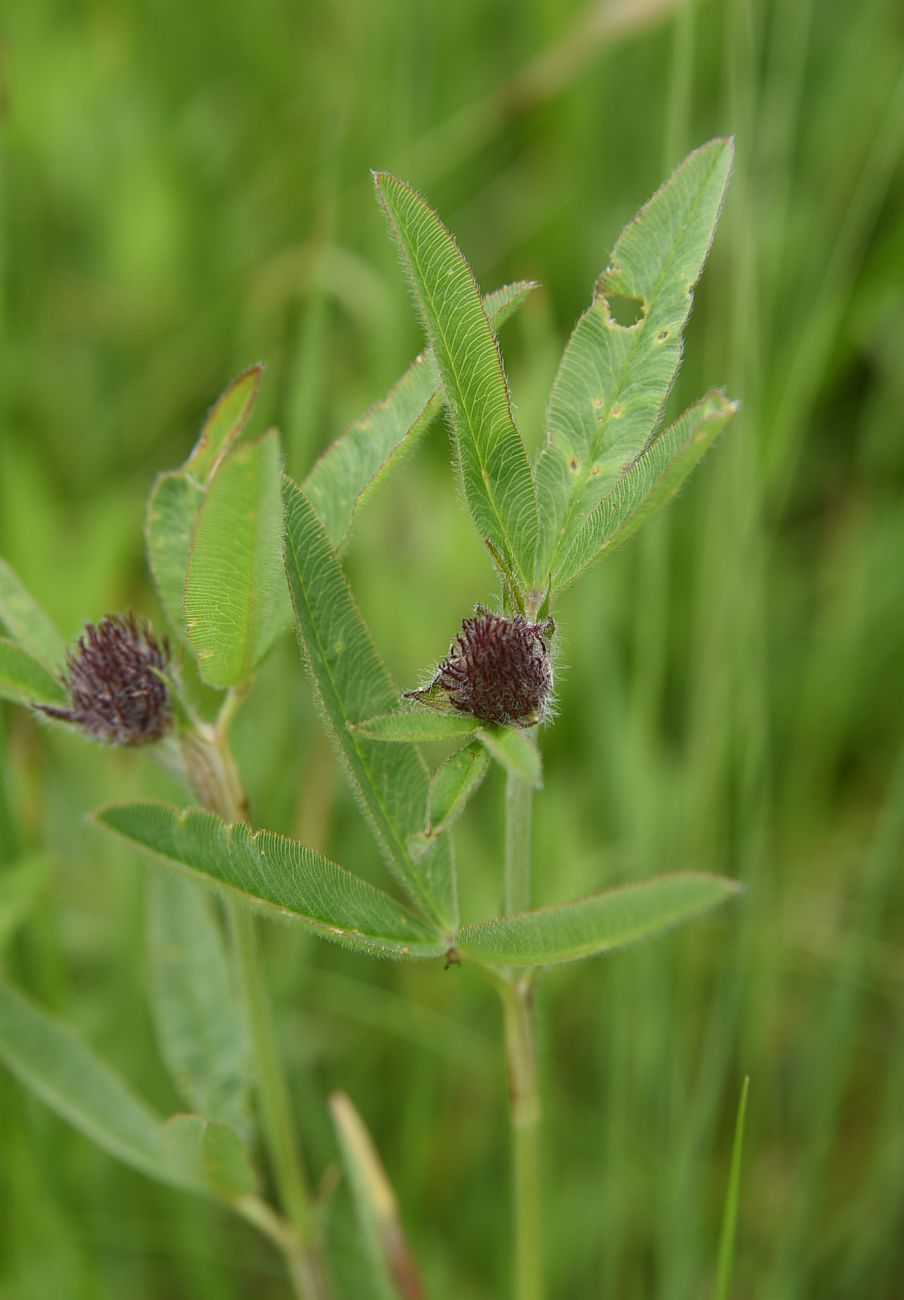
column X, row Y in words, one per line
column 185, row 190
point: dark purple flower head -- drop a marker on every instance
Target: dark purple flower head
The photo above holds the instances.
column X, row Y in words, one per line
column 112, row 676
column 498, row 669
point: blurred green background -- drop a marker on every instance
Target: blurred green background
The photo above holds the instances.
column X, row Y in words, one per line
column 186, row 190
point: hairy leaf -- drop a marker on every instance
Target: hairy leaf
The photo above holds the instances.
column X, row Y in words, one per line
column 596, row 924
column 648, row 484
column 66, row 1074
column 199, row 1019
column 177, row 495
column 495, row 471
column 353, row 467
column 515, row 750
column 169, row 529
column 26, row 622
column 235, row 594
column 415, row 726
column 614, row 377
column 453, row 784
column 25, row 680
column 352, row 683
column 276, row 875
column 225, row 421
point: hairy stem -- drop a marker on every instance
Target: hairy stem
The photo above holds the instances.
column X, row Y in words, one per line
column 521, row 1056
column 215, row 780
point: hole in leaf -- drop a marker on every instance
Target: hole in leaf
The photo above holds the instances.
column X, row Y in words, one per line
column 624, row 310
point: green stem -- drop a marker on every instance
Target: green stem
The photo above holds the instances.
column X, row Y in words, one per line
column 521, row 1056
column 215, row 779
column 516, row 877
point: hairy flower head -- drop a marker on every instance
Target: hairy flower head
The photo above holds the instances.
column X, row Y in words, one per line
column 113, row 678
column 498, row 669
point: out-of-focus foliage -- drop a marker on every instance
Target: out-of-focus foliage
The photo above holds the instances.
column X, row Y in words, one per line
column 185, row 190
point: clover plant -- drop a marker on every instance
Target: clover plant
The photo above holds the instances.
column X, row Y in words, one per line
column 239, row 553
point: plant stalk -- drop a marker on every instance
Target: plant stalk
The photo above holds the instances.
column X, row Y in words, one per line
column 215, row 779
column 521, row 1055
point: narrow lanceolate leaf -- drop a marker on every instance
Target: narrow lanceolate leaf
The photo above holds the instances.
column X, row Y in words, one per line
column 453, row 784
column 169, row 529
column 200, row 1022
column 25, row 680
column 415, row 726
column 209, row 1155
column 352, row 683
column 81, row 1088
column 25, row 621
column 276, row 875
column 394, row 1273
column 225, row 421
column 515, row 750
column 614, row 377
column 235, row 593
column 595, row 924
column 648, row 484
column 495, row 471
column 354, row 466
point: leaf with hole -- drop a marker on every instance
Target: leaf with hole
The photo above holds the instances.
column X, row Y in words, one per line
column 26, row 622
column 26, row 681
column 351, row 683
column 277, row 876
column 493, row 465
column 354, row 466
column 650, row 483
column 235, row 592
column 615, row 375
column 594, row 925
column 199, row 1019
column 81, row 1088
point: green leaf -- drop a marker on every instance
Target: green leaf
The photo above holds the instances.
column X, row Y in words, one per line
column 21, row 885
column 648, row 484
column 276, row 875
column 596, row 924
column 235, row 598
column 169, row 530
column 732, row 1201
column 26, row 622
column 225, row 421
column 453, row 784
column 614, row 378
column 515, row 750
column 495, row 471
column 354, row 466
column 199, row 1019
column 177, row 495
column 415, row 726
column 209, row 1155
column 66, row 1074
column 351, row 682
column 25, row 681
column 394, row 1275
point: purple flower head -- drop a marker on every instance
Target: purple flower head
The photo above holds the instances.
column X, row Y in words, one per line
column 498, row 669
column 113, row 678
